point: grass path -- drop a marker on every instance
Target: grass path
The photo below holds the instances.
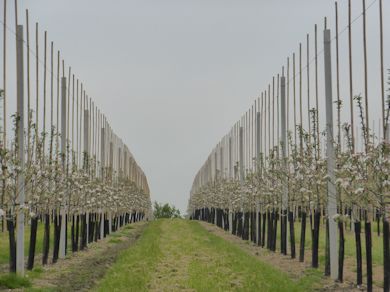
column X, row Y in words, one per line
column 181, row 255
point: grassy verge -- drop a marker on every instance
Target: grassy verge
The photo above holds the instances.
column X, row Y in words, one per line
column 175, row 255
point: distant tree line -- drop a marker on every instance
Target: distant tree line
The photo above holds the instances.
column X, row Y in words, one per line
column 165, row 211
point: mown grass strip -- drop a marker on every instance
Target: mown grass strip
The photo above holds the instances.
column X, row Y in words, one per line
column 229, row 268
column 132, row 271
column 211, row 264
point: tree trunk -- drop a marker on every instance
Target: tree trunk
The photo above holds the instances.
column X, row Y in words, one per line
column 303, row 237
column 367, row 229
column 327, row 249
column 57, row 231
column 263, row 233
column 12, row 245
column 259, row 230
column 33, row 241
column 359, row 272
column 341, row 252
column 315, row 239
column 46, row 240
column 292, row 234
column 386, row 255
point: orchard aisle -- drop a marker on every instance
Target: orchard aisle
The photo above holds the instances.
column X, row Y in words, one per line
column 182, row 255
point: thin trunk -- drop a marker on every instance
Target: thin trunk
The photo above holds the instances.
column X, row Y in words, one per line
column 263, row 232
column 303, row 237
column 327, row 249
column 275, row 231
column 315, row 239
column 46, row 240
column 72, row 234
column 341, row 251
column 359, row 272
column 76, row 243
column 367, row 229
column 292, row 234
column 259, row 230
column 57, row 231
column 386, row 255
column 33, row 241
column 12, row 245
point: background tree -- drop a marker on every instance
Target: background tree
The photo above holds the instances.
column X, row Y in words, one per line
column 165, row 211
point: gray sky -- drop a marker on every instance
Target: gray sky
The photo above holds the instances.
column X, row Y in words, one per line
column 173, row 76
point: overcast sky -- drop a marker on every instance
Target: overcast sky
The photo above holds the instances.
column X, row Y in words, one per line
column 172, row 76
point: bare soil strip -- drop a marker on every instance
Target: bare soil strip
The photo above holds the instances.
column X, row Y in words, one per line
column 80, row 271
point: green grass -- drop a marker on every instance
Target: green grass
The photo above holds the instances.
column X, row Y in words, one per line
column 4, row 242
column 12, row 281
column 350, row 247
column 182, row 254
column 132, row 270
column 114, row 240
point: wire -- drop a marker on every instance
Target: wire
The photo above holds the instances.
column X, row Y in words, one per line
column 334, row 38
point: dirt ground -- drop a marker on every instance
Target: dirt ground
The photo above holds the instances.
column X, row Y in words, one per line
column 80, row 271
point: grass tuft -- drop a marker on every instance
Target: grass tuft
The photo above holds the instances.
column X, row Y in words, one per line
column 13, row 281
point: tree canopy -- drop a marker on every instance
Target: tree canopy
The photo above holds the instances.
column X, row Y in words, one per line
column 165, row 211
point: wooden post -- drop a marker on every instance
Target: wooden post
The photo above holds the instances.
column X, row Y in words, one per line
column 330, row 152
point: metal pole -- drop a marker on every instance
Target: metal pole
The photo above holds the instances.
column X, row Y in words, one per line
column 86, row 156
column 283, row 138
column 258, row 141
column 5, row 76
column 61, row 253
column 230, row 176
column 283, row 145
column 382, row 71
column 330, row 152
column 351, row 75
column 241, row 153
column 367, row 134
column 20, row 144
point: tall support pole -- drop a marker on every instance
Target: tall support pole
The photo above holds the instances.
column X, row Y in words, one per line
column 381, row 70
column 258, row 141
column 367, row 134
column 230, row 177
column 61, row 253
column 103, row 163
column 283, row 145
column 337, row 81
column 29, row 119
column 20, row 144
column 316, row 88
column 4, row 142
column 111, row 157
column 241, row 153
column 86, row 158
column 330, row 152
column 241, row 157
column 351, row 75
